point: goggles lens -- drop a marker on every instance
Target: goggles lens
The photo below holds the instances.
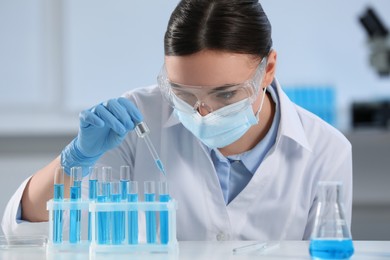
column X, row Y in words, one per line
column 189, row 98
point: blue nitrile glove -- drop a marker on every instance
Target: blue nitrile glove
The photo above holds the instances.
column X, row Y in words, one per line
column 102, row 128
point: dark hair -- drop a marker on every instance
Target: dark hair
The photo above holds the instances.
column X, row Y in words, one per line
column 238, row 26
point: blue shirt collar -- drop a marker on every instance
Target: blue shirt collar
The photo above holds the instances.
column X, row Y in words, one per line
column 253, row 158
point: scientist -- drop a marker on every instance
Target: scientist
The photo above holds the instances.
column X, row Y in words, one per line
column 242, row 160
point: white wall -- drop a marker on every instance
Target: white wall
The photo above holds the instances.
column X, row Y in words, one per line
column 59, row 57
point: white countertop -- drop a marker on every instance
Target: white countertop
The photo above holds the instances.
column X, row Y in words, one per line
column 290, row 250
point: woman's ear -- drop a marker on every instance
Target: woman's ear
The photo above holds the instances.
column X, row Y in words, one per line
column 270, row 69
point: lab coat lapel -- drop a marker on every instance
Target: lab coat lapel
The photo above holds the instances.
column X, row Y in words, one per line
column 202, row 201
column 200, row 156
column 275, row 162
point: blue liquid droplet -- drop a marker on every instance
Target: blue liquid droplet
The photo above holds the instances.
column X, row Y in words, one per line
column 160, row 166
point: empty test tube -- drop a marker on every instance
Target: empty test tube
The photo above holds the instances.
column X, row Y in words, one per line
column 117, row 217
column 164, row 197
column 150, row 196
column 103, row 195
column 124, row 179
column 58, row 196
column 76, row 174
column 132, row 216
column 92, row 195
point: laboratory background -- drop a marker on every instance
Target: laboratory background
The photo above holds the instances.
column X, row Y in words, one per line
column 60, row 57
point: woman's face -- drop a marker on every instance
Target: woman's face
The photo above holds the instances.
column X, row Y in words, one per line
column 213, row 70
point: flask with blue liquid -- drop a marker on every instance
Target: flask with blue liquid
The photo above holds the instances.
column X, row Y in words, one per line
column 331, row 237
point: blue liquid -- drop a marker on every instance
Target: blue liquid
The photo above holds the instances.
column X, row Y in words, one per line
column 164, row 235
column 57, row 214
column 124, row 189
column 92, row 189
column 118, row 222
column 133, row 221
column 103, row 228
column 92, row 196
column 58, row 192
column 150, row 221
column 160, row 166
column 75, row 216
column 331, row 249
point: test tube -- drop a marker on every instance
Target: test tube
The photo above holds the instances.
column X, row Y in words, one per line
column 164, row 197
column 93, row 178
column 150, row 196
column 103, row 195
column 76, row 174
column 106, row 178
column 132, row 188
column 118, row 217
column 103, row 229
column 124, row 179
column 124, row 172
column 58, row 196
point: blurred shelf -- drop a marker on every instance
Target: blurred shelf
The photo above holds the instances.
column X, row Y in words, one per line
column 38, row 124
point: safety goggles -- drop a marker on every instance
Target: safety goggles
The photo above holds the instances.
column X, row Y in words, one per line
column 189, row 99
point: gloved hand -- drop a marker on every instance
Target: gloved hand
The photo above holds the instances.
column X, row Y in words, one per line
column 102, row 128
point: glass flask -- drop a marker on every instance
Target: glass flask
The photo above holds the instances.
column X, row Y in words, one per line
column 331, row 238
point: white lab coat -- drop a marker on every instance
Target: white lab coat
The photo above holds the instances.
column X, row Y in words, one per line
column 279, row 202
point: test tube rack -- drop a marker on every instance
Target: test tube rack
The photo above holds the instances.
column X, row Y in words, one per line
column 93, row 209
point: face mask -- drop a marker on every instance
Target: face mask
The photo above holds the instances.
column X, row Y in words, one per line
column 221, row 128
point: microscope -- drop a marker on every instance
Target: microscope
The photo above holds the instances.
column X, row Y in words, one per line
column 378, row 42
column 376, row 113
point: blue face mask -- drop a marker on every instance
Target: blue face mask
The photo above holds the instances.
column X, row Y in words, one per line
column 221, row 128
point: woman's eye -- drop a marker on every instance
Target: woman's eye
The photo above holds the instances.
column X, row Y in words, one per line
column 185, row 95
column 226, row 95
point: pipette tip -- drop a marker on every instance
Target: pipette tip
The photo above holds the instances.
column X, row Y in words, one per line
column 161, row 167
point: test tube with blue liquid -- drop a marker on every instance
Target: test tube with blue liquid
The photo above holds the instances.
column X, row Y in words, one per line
column 150, row 196
column 143, row 131
column 103, row 195
column 124, row 172
column 92, row 194
column 58, row 197
column 117, row 217
column 124, row 180
column 76, row 175
column 132, row 216
column 106, row 177
column 164, row 197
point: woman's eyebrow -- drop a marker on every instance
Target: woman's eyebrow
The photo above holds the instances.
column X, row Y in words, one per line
column 216, row 89
column 223, row 87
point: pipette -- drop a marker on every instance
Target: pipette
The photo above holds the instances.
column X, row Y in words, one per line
column 143, row 131
column 258, row 247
